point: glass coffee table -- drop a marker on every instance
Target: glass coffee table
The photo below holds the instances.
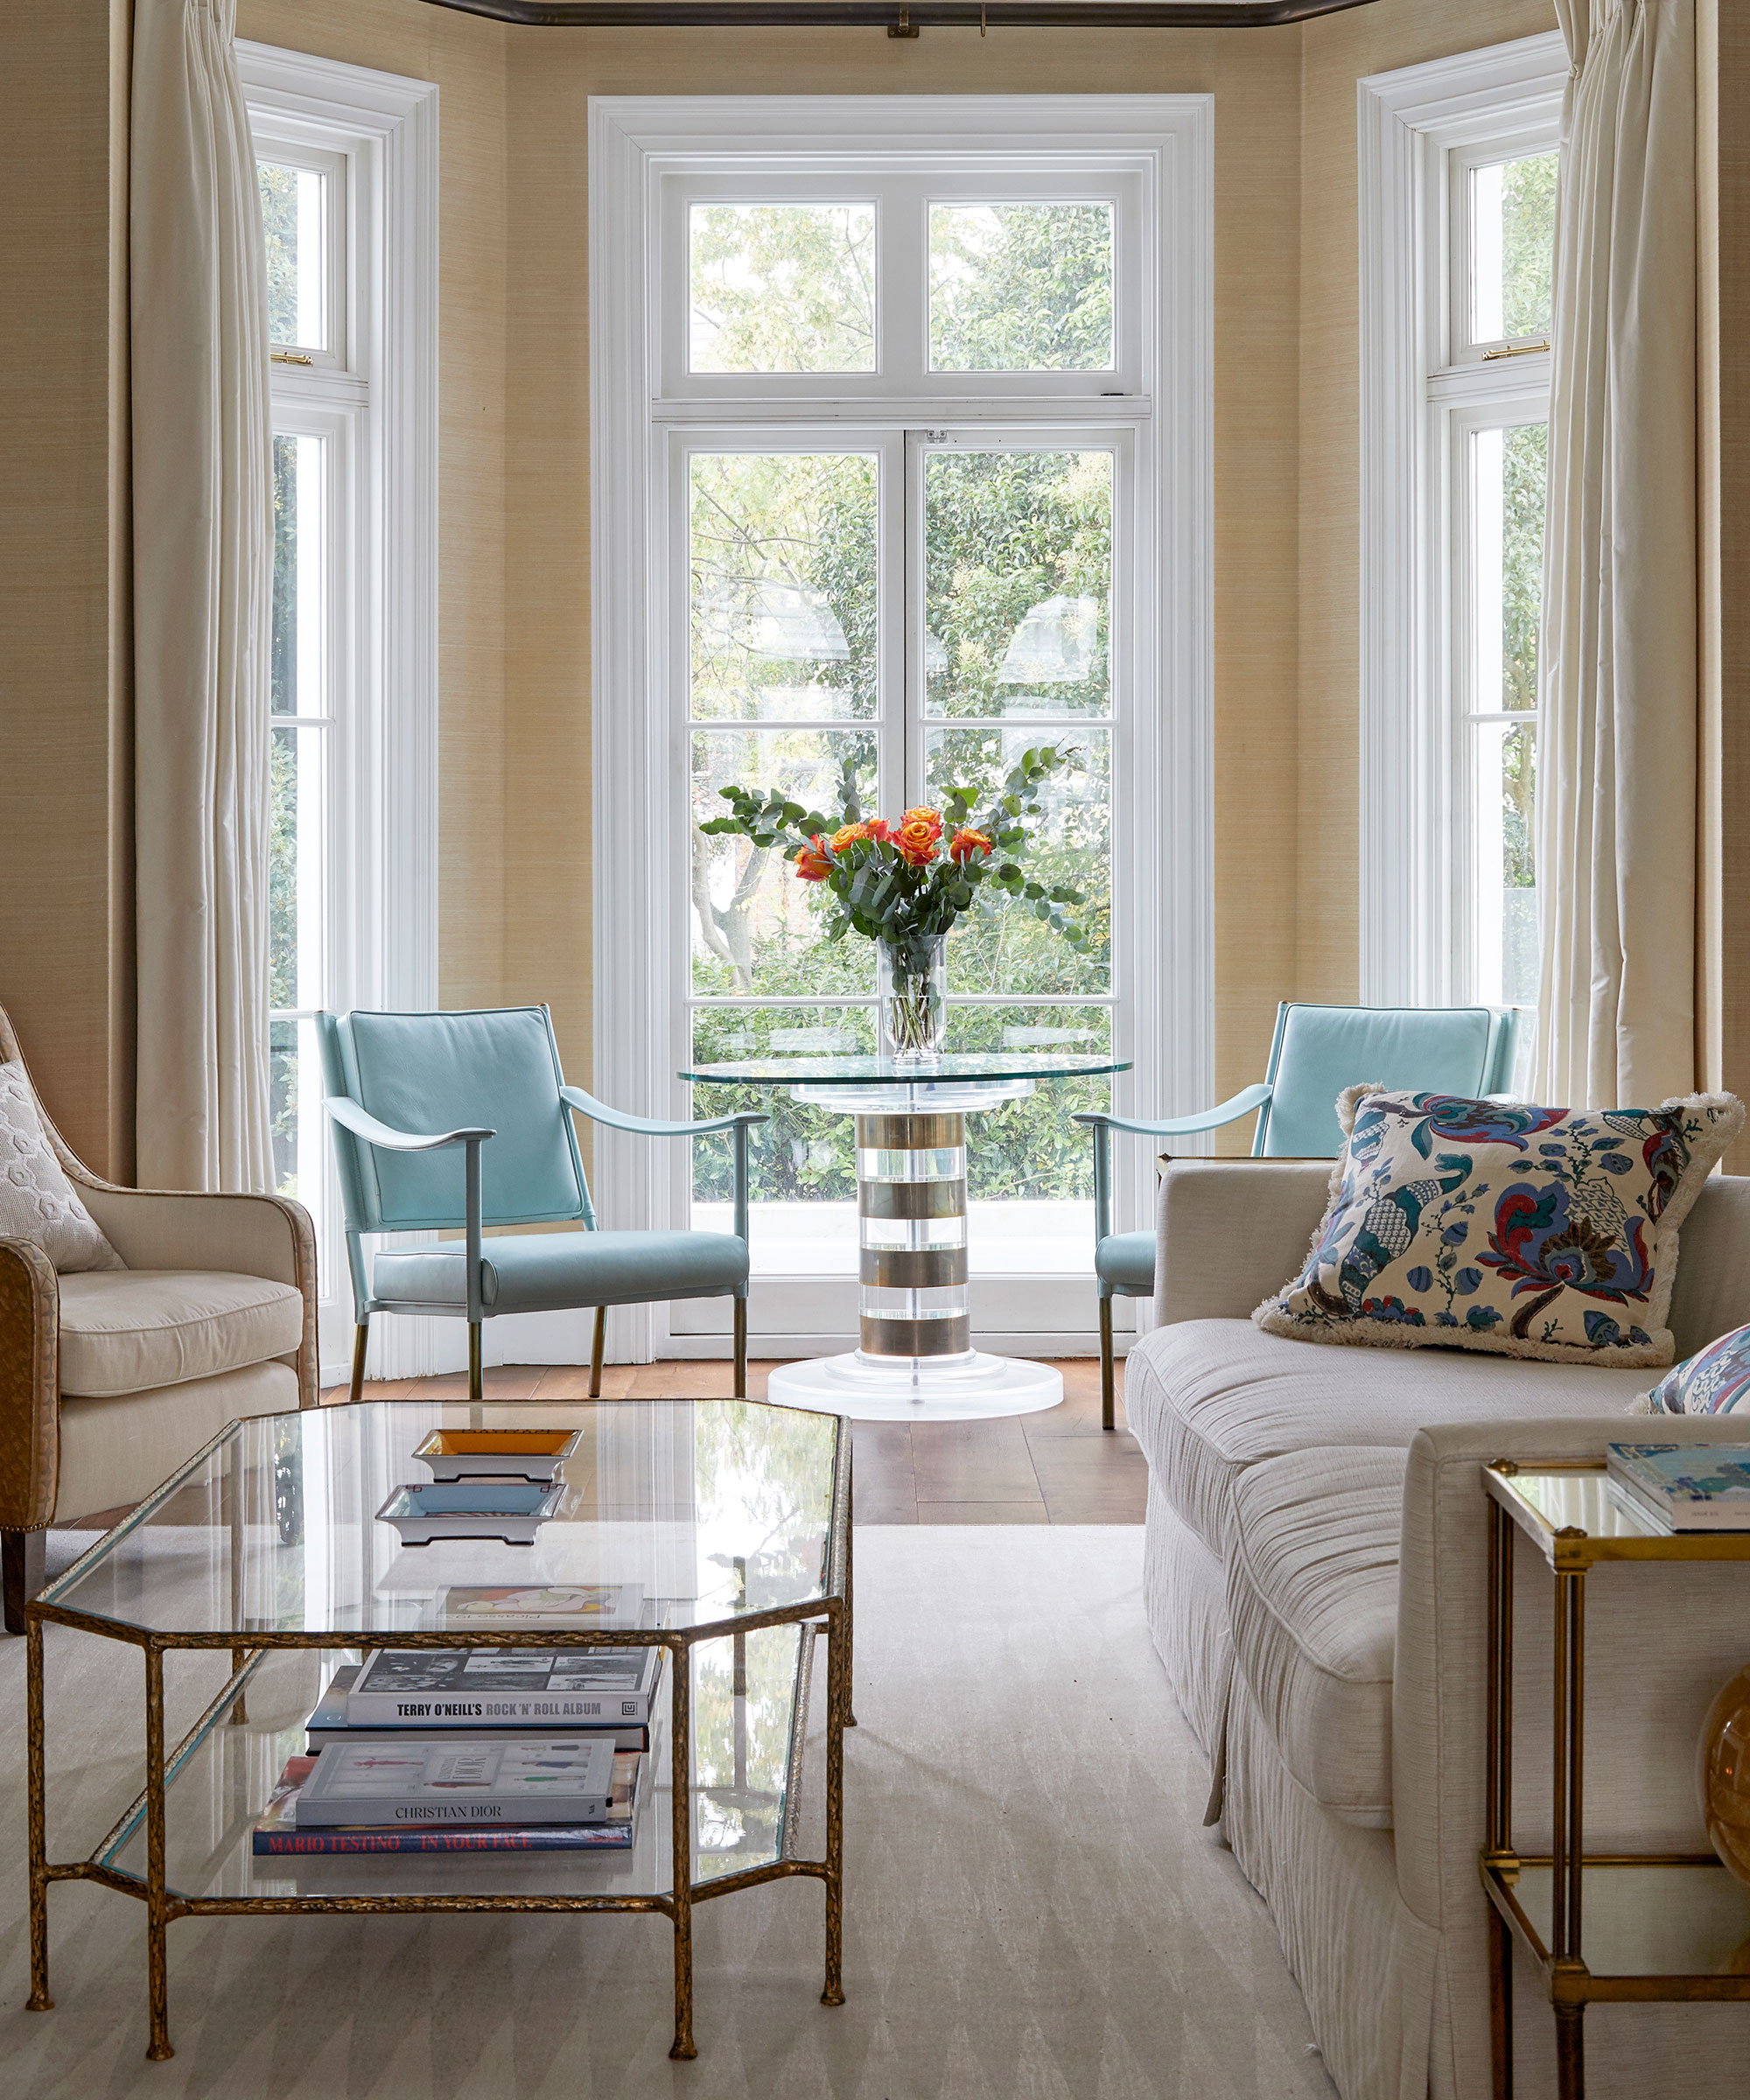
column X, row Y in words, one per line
column 733, row 1519
column 916, row 1362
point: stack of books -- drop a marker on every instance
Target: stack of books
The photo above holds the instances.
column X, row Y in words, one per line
column 1682, row 1487
column 481, row 1749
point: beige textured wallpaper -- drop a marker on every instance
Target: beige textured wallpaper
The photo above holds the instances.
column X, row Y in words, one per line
column 65, row 901
column 514, row 616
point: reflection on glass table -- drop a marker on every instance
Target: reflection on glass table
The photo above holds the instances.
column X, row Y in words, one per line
column 915, row 1361
column 728, row 1523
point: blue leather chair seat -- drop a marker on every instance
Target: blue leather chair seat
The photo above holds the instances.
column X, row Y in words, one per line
column 1126, row 1261
column 552, row 1272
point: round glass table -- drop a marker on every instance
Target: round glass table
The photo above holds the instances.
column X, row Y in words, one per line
column 916, row 1362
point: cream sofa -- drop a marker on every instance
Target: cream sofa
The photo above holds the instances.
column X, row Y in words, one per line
column 110, row 1378
column 1315, row 1586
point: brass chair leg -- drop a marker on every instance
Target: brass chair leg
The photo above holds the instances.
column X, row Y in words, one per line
column 361, row 1335
column 1108, row 1395
column 741, row 1349
column 474, row 1377
column 597, row 1347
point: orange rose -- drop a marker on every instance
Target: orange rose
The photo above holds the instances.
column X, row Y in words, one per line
column 848, row 835
column 877, row 827
column 812, row 864
column 917, row 836
column 965, row 843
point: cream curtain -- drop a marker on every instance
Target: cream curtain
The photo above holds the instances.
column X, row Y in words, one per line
column 203, row 565
column 1617, row 755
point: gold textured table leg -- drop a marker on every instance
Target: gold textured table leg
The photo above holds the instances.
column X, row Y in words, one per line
column 1498, row 1807
column 849, row 1644
column 1568, row 1840
column 681, row 1766
column 157, row 1980
column 838, row 1703
column 36, row 1815
column 239, row 1711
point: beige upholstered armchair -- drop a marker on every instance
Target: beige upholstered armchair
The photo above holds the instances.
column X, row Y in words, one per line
column 112, row 1375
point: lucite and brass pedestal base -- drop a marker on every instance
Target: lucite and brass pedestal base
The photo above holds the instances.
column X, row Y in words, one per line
column 916, row 1362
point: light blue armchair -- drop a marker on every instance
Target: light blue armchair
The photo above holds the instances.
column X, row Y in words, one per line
column 407, row 1092
column 1317, row 1050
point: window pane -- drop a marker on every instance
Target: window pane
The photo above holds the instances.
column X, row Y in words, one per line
column 1509, row 479
column 784, row 578
column 1017, row 583
column 282, row 1077
column 295, row 671
column 1506, row 904
column 1003, row 946
column 756, row 927
column 782, row 287
column 1020, row 287
column 1513, row 236
column 295, row 870
column 293, row 222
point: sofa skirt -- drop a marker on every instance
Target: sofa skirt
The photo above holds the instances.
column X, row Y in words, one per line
column 1184, row 1594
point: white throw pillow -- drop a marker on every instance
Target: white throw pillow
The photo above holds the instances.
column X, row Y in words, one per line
column 37, row 1201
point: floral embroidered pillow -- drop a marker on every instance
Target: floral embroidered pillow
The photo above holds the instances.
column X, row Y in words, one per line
column 1504, row 1227
column 1715, row 1381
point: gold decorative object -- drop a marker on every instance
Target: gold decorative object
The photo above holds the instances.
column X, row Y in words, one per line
column 1723, row 1774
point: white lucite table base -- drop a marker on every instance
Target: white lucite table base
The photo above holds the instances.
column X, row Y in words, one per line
column 911, row 1189
column 920, row 1390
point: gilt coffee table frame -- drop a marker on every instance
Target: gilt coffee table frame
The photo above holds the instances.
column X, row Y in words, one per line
column 830, row 1615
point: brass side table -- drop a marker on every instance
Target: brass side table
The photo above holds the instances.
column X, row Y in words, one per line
column 1666, row 1928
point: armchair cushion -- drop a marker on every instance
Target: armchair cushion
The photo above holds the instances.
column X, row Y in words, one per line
column 140, row 1328
column 37, row 1201
column 1126, row 1261
column 554, row 1271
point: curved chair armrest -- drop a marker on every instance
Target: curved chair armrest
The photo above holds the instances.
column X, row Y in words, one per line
column 30, row 1386
column 1241, row 1103
column 642, row 1126
column 364, row 1125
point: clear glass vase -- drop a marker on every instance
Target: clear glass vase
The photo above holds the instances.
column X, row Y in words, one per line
column 911, row 997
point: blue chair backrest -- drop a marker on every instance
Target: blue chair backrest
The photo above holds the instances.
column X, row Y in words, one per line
column 1320, row 1050
column 496, row 1069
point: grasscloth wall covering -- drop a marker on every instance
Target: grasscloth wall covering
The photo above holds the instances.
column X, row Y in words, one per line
column 516, row 900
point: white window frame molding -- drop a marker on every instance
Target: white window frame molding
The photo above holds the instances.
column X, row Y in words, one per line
column 635, row 141
column 1410, row 121
column 383, row 904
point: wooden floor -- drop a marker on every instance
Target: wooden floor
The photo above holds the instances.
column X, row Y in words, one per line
column 1059, row 1467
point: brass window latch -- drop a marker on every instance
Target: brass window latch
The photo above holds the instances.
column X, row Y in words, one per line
column 289, row 357
column 1515, row 350
column 904, row 26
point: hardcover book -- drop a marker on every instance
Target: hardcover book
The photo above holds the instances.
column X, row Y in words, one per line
column 574, row 1604
column 328, row 1723
column 524, row 1779
column 505, row 1687
column 1685, row 1487
column 277, row 1832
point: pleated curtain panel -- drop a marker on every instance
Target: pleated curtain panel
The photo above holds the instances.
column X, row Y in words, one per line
column 1617, row 753
column 203, row 567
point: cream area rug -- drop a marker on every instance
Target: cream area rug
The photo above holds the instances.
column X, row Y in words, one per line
column 1033, row 1906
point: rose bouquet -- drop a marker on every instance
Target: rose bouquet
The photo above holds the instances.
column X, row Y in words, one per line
column 903, row 885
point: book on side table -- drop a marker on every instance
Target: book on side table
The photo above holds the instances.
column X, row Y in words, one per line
column 1684, row 1486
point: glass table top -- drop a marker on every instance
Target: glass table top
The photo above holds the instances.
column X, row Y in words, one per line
column 1573, row 1509
column 960, row 1066
column 1652, row 1920
column 699, row 1512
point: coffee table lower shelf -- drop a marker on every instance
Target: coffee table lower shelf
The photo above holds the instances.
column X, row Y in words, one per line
column 224, row 1761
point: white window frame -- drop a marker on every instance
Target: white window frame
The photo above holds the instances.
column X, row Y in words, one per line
column 1423, row 382
column 373, row 393
column 1164, row 146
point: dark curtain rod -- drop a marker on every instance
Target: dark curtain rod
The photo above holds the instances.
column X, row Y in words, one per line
column 901, row 17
